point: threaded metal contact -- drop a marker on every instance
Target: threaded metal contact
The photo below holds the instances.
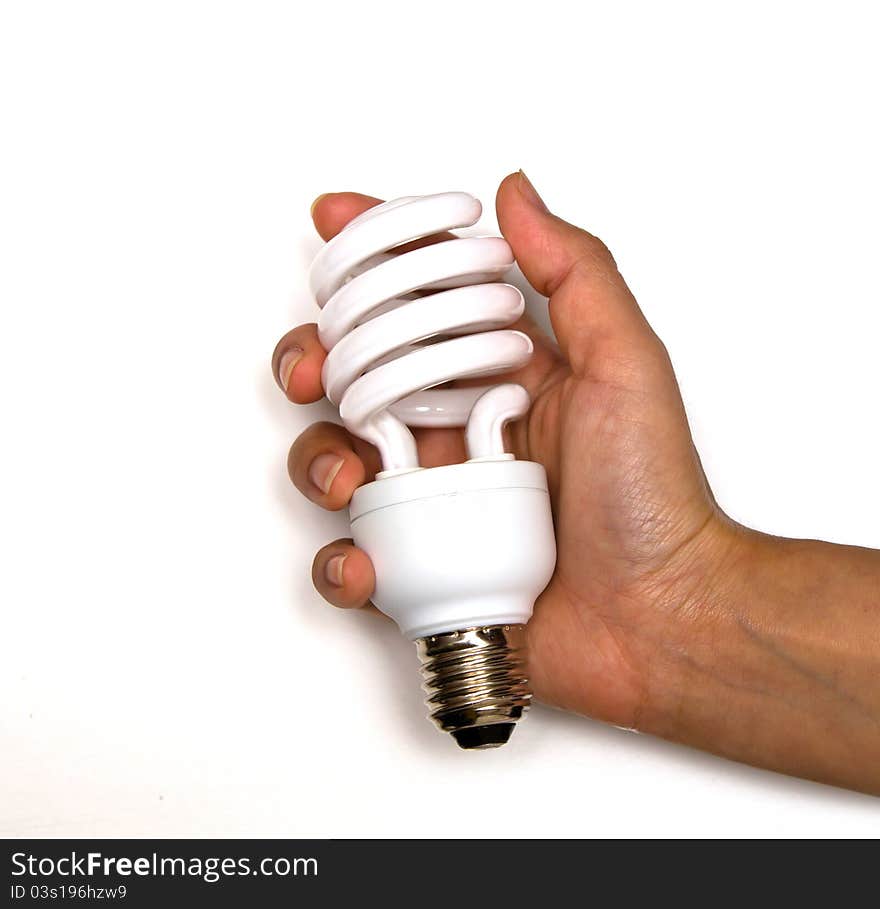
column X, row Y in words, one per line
column 477, row 682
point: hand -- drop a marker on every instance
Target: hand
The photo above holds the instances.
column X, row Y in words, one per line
column 663, row 615
column 631, row 504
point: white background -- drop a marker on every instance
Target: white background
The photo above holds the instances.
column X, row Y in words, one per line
column 166, row 667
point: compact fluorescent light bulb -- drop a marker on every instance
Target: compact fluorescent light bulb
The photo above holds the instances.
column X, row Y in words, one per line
column 460, row 552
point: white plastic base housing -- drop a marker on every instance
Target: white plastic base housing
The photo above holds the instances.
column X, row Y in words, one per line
column 457, row 547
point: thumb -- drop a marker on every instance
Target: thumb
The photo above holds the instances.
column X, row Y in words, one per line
column 589, row 300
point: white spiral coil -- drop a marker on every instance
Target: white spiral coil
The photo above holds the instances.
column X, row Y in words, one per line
column 377, row 318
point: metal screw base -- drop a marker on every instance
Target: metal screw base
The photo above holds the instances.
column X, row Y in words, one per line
column 476, row 682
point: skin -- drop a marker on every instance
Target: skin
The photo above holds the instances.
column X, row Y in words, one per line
column 663, row 615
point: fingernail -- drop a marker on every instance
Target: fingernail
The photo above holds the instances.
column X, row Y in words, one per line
column 315, row 204
column 285, row 366
column 529, row 192
column 333, row 570
column 323, row 470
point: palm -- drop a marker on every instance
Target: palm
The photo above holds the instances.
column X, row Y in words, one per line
column 628, row 495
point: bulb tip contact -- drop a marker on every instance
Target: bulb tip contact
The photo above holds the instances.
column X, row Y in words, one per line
column 492, row 736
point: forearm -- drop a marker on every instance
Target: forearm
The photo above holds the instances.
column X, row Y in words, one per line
column 783, row 669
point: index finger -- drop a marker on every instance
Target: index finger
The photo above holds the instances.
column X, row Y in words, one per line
column 332, row 211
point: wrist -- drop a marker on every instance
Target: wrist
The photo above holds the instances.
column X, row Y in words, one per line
column 773, row 660
column 702, row 650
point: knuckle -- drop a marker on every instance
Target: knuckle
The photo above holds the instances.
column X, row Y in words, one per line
column 600, row 249
column 598, row 255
